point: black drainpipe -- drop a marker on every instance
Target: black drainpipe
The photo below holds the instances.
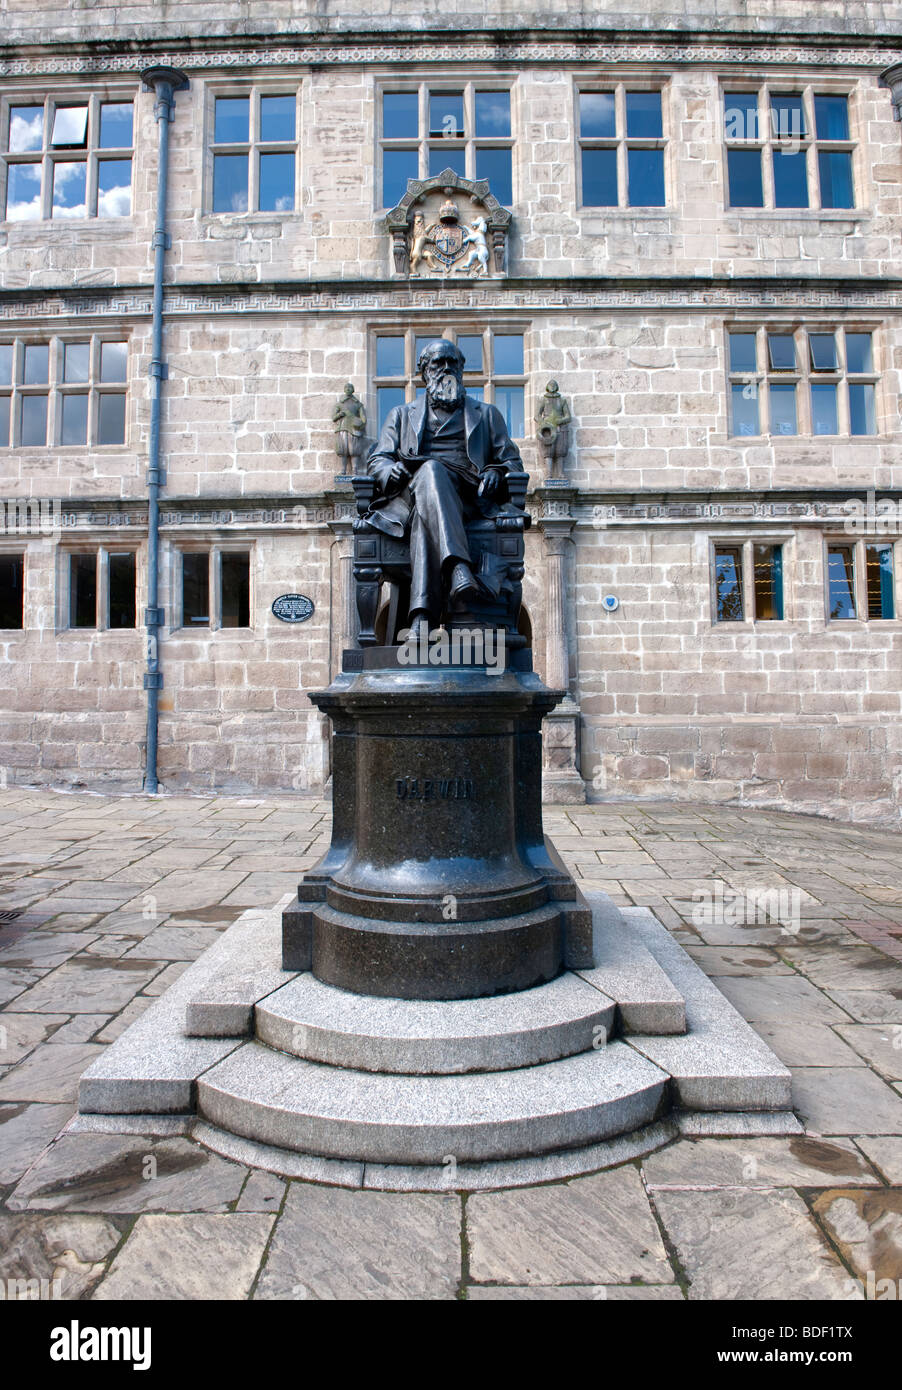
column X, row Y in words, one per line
column 164, row 82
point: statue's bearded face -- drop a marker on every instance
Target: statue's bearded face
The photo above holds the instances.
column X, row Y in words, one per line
column 444, row 383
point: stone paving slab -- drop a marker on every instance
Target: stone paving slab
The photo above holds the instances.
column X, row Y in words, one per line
column 595, row 1230
column 188, row 1257
column 758, row 1245
column 117, row 1173
column 392, row 1246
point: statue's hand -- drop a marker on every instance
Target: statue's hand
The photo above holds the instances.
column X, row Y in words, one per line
column 491, row 481
column 390, row 475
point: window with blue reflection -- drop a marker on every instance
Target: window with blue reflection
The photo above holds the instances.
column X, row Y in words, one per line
column 33, row 421
column 790, row 179
column 841, row 581
column 471, row 347
column 495, row 165
column 77, row 362
column 387, row 397
column 597, row 115
column 741, row 119
column 744, row 176
column 643, row 115
column 400, row 115
column 23, row 192
column 831, row 117
column 728, row 585
column 26, row 129
column 111, row 419
column 862, row 408
column 232, row 121
column 116, row 121
column 859, row 352
column 835, row 173
column 508, row 354
column 6, row 363
column 493, row 114
column 744, row 408
column 822, row 347
column 114, row 187
column 36, row 364
column 230, row 182
column 443, row 157
column 74, row 428
column 509, row 400
column 787, row 117
column 824, row 418
column 781, row 352
column 4, row 430
column 276, row 190
column 397, row 167
column 390, row 356
column 69, row 183
column 277, row 118
column 599, row 178
column 446, row 114
column 743, row 356
column 113, row 361
column 782, row 409
column 645, row 170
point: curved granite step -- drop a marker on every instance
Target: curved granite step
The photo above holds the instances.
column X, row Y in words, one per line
column 425, row 1037
column 371, row 1117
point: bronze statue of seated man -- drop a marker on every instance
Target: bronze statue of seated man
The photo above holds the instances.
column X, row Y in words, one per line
column 438, row 464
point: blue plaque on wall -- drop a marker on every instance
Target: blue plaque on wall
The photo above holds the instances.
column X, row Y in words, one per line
column 293, row 608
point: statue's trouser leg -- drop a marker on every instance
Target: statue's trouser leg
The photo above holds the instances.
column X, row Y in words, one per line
column 437, row 535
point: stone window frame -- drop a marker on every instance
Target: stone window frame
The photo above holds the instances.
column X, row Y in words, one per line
column 101, row 550
column 91, row 151
column 56, row 388
column 486, row 380
column 787, row 86
column 254, row 89
column 804, row 375
column 858, row 545
column 22, row 553
column 490, row 82
column 746, row 544
column 622, row 143
column 214, row 549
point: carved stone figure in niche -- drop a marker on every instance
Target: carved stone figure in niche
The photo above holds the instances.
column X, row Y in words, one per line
column 349, row 417
column 553, row 433
column 439, row 463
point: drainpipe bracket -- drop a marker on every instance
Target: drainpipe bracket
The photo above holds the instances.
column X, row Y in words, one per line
column 154, row 617
column 162, row 239
column 156, row 477
column 159, row 369
column 153, row 680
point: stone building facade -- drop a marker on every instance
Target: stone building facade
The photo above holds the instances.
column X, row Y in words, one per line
column 703, row 250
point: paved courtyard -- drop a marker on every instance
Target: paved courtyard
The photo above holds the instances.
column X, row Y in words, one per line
column 116, row 895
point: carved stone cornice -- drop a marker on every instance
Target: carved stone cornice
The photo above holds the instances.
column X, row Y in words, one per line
column 86, row 58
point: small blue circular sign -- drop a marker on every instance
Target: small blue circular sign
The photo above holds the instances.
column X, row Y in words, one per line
column 293, row 608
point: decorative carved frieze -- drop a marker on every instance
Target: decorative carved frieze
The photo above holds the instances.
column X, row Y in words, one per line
column 192, row 57
column 404, row 296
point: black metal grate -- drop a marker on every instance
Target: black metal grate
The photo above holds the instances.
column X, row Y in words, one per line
column 11, row 916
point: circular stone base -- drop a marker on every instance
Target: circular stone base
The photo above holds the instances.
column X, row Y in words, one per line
column 447, row 1177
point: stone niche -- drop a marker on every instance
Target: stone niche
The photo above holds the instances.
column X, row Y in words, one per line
column 448, row 225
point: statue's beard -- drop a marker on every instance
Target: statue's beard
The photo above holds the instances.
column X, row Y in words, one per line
column 445, row 392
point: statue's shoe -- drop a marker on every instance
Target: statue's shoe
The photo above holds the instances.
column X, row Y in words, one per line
column 463, row 583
